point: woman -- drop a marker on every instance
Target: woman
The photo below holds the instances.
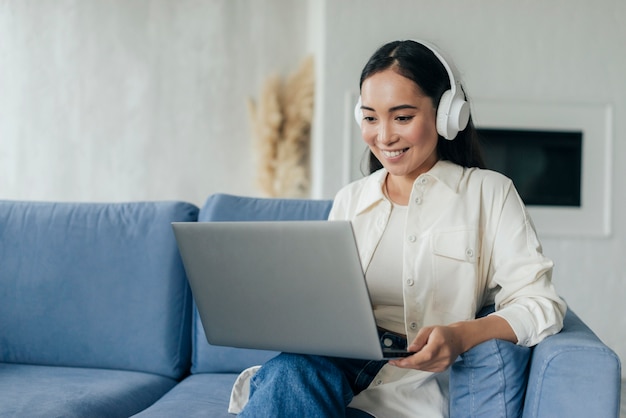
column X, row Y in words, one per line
column 439, row 239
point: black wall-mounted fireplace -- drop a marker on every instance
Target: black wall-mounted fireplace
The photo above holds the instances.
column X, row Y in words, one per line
column 545, row 166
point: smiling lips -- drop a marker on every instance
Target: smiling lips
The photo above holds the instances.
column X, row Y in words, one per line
column 394, row 154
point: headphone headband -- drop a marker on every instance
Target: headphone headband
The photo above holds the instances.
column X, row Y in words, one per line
column 453, row 110
column 447, row 64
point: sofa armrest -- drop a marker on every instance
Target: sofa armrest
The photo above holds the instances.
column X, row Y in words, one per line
column 573, row 374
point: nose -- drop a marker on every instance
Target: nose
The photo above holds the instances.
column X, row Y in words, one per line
column 385, row 134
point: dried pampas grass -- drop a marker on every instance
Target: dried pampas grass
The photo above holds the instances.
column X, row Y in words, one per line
column 281, row 124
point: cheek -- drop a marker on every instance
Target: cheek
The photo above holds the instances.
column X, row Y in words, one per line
column 425, row 134
column 368, row 134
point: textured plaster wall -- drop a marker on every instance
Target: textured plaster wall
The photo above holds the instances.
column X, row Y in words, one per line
column 131, row 100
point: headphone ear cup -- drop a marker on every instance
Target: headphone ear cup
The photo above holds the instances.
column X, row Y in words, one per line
column 459, row 113
column 443, row 115
column 358, row 112
column 452, row 114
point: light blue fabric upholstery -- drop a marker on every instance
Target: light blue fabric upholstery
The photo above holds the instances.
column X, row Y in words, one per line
column 43, row 391
column 199, row 395
column 92, row 286
column 573, row 374
column 204, row 395
column 490, row 379
column 225, row 207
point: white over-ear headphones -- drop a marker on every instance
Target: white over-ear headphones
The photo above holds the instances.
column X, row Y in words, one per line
column 453, row 111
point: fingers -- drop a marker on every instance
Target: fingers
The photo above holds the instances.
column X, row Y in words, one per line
column 422, row 360
column 434, row 348
column 420, row 340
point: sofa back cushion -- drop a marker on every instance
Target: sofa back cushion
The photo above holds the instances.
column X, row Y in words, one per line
column 221, row 207
column 94, row 285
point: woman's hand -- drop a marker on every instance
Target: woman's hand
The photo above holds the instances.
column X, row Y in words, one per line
column 436, row 348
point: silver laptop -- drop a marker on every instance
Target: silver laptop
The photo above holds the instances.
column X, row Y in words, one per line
column 291, row 286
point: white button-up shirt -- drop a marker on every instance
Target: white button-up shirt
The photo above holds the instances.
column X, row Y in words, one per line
column 468, row 242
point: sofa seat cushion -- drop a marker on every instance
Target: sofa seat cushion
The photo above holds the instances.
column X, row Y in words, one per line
column 45, row 391
column 199, row 395
column 204, row 395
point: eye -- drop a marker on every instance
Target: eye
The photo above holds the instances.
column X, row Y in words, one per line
column 369, row 119
column 404, row 118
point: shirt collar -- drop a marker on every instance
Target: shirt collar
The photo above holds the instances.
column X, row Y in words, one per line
column 447, row 172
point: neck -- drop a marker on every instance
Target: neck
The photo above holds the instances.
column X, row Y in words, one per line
column 398, row 189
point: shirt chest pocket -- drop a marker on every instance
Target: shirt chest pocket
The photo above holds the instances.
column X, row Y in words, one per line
column 455, row 260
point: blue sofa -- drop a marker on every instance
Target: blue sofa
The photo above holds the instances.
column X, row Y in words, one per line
column 97, row 320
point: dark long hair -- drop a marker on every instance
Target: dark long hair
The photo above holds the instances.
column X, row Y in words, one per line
column 418, row 63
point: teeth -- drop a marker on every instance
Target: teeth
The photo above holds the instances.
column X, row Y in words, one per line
column 391, row 154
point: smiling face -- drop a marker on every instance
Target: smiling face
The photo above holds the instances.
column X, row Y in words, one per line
column 399, row 125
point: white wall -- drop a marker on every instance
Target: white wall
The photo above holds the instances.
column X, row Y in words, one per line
column 145, row 99
column 130, row 100
column 556, row 51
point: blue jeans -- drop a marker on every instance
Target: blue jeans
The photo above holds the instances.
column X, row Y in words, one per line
column 487, row 381
column 296, row 385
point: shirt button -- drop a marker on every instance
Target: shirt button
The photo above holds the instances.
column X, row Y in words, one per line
column 413, row 325
column 469, row 253
column 379, row 382
column 423, row 180
column 412, row 238
column 418, row 200
column 410, row 282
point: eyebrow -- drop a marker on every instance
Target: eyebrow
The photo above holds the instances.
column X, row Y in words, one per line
column 392, row 109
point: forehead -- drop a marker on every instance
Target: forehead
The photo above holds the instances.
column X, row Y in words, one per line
column 389, row 85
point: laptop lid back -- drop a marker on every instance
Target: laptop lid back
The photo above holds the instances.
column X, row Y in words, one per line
column 291, row 286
